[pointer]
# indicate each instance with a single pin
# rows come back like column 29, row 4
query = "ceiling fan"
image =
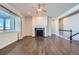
column 40, row 8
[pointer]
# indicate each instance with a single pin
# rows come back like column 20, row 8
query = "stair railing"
column 68, row 31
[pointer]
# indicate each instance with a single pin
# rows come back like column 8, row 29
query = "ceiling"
column 53, row 9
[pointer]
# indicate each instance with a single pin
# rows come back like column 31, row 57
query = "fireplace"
column 39, row 32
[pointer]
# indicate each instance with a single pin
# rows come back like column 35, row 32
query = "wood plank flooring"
column 42, row 46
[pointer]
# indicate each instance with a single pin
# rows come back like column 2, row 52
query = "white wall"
column 55, row 26
column 7, row 38
column 50, row 26
column 29, row 23
column 28, row 26
column 72, row 22
column 39, row 21
column 23, row 27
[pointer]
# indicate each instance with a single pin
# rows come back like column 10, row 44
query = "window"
column 4, row 24
column 1, row 24
column 9, row 21
column 7, row 24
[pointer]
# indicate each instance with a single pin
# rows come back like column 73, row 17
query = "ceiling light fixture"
column 40, row 9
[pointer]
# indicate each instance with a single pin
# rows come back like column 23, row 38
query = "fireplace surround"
column 39, row 26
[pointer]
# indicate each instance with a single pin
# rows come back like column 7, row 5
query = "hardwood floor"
column 42, row 46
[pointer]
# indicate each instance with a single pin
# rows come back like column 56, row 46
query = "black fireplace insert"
column 39, row 32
